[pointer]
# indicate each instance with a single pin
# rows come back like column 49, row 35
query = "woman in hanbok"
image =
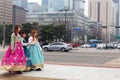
column 14, row 60
column 26, row 51
column 35, row 51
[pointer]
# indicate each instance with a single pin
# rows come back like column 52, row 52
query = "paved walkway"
column 74, row 73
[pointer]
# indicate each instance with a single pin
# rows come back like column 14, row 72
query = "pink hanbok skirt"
column 14, row 61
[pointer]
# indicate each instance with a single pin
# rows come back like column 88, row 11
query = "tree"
column 51, row 32
column 1, row 33
column 9, row 31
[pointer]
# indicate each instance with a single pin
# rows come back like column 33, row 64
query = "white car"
column 86, row 46
column 101, row 46
column 118, row 46
column 58, row 46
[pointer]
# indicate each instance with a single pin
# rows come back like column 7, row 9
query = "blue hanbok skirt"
column 37, row 57
column 28, row 57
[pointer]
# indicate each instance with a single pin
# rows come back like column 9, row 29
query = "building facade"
column 34, row 7
column 71, row 18
column 21, row 3
column 6, row 11
column 102, row 11
column 55, row 5
column 44, row 2
column 79, row 5
column 117, row 16
column 19, row 15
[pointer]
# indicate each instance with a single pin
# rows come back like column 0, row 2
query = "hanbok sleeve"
column 12, row 41
column 30, row 40
column 39, row 46
column 24, row 44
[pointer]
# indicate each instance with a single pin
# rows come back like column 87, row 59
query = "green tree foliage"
column 51, row 32
column 46, row 32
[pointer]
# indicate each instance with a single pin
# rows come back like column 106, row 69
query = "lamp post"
column 106, row 20
column 98, row 16
column 4, row 30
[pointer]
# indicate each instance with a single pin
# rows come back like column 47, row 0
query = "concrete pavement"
column 63, row 72
column 75, row 72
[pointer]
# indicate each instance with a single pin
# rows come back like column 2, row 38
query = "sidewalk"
column 63, row 72
column 3, row 49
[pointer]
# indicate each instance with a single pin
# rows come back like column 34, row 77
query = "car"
column 75, row 44
column 86, row 46
column 101, row 46
column 93, row 45
column 110, row 46
column 58, row 46
column 118, row 46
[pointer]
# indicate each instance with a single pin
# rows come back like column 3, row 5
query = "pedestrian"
column 14, row 60
column 26, row 51
column 36, row 53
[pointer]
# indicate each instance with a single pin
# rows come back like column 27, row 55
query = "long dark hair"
column 16, row 29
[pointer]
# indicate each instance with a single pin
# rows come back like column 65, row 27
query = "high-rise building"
column 79, row 5
column 45, row 2
column 102, row 11
column 19, row 15
column 117, row 16
column 34, row 7
column 6, row 11
column 21, row 3
column 55, row 5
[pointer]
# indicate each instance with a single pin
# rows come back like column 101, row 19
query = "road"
column 80, row 56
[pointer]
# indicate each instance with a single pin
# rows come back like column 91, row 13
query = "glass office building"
column 55, row 5
column 45, row 2
column 21, row 3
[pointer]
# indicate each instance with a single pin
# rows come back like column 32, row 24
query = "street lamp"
column 106, row 20
column 4, row 30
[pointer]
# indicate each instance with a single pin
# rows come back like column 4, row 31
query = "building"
column 71, row 19
column 46, row 18
column 45, row 2
column 19, row 15
column 6, row 11
column 55, row 5
column 117, row 16
column 34, row 7
column 19, row 11
column 79, row 5
column 102, row 11
column 21, row 3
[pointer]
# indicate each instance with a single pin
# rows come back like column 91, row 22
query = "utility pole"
column 98, row 18
column 106, row 21
column 4, row 30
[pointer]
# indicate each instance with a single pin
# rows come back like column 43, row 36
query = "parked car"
column 118, row 46
column 101, row 46
column 75, row 44
column 110, row 46
column 58, row 46
column 86, row 46
column 94, row 45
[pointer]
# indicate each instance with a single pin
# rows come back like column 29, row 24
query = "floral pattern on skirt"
column 14, row 61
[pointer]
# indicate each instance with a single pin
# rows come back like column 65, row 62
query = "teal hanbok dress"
column 36, row 53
